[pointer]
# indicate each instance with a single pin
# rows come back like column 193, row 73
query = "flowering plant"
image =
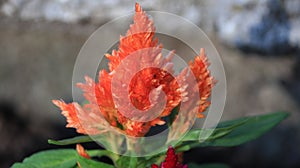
column 135, row 111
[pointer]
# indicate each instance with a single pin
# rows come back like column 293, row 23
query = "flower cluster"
column 101, row 111
column 171, row 160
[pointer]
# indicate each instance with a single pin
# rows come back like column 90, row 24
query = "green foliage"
column 62, row 158
column 252, row 128
column 88, row 163
column 233, row 133
column 126, row 161
column 229, row 133
column 75, row 140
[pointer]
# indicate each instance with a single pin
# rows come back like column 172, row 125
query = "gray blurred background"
column 258, row 41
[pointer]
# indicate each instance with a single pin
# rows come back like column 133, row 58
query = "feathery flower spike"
column 101, row 111
column 171, row 160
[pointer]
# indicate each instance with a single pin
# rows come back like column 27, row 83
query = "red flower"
column 101, row 110
column 171, row 161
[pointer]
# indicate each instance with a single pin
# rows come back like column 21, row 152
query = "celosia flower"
column 101, row 108
column 171, row 161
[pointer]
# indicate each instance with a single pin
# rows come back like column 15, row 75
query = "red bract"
column 171, row 161
column 102, row 110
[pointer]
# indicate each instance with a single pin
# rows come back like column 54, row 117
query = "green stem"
column 99, row 153
column 75, row 140
column 156, row 159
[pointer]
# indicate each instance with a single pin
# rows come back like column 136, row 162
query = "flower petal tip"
column 138, row 8
column 80, row 150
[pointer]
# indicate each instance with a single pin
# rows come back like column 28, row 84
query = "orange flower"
column 205, row 82
column 82, row 152
column 103, row 106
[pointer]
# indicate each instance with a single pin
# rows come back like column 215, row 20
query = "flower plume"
column 151, row 86
column 171, row 160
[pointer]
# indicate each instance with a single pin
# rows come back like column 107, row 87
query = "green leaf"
column 219, row 131
column 75, row 140
column 199, row 135
column 62, row 158
column 252, row 128
column 203, row 134
column 88, row 163
column 148, row 161
column 209, row 165
column 126, row 161
column 233, row 133
column 101, row 138
column 99, row 153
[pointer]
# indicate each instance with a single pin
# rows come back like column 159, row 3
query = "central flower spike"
column 151, row 86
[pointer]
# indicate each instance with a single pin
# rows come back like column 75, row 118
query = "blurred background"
column 258, row 41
